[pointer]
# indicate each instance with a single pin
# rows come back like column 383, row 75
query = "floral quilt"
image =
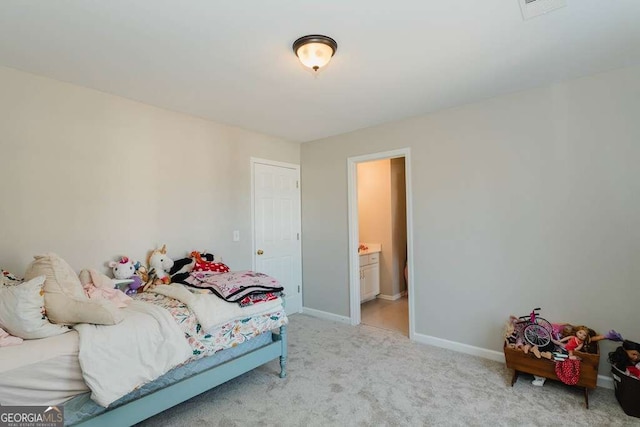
column 229, row 335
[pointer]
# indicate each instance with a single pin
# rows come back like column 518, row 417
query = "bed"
column 84, row 370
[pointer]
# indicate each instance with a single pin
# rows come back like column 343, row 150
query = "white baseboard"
column 459, row 347
column 326, row 315
column 390, row 297
column 498, row 356
column 603, row 381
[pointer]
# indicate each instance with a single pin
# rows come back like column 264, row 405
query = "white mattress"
column 41, row 372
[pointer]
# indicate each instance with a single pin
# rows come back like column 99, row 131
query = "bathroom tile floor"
column 385, row 314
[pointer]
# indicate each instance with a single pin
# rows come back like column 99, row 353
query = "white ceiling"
column 232, row 62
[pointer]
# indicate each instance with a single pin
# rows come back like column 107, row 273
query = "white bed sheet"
column 41, row 372
column 115, row 359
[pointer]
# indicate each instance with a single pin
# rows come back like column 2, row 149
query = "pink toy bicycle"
column 536, row 330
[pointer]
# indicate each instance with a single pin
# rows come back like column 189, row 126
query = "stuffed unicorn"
column 159, row 264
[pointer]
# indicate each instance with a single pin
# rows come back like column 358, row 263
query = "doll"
column 576, row 341
column 512, row 338
column 627, row 358
column 580, row 337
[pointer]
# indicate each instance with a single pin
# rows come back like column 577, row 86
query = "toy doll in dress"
column 576, row 341
column 627, row 358
column 580, row 337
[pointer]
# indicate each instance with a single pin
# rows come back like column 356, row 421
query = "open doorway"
column 382, row 251
column 380, row 230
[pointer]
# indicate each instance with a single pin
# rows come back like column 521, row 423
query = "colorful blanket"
column 233, row 286
column 205, row 343
column 258, row 298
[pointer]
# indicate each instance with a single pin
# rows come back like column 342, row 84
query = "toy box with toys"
column 625, row 370
column 627, row 390
column 556, row 351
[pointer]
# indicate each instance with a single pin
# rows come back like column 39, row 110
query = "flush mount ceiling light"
column 315, row 51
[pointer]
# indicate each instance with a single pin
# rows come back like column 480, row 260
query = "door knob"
column 260, row 252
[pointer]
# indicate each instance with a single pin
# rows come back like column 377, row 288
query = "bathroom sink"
column 367, row 248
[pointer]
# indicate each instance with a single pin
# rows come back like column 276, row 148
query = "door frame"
column 253, row 161
column 354, row 231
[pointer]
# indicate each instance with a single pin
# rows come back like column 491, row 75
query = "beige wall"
column 526, row 200
column 398, row 225
column 93, row 176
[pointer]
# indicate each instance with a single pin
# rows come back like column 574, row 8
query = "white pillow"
column 22, row 311
column 64, row 297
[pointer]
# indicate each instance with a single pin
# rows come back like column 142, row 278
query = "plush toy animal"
column 206, row 263
column 159, row 266
column 126, row 268
column 182, row 267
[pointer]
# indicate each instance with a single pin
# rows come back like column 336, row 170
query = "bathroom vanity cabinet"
column 369, row 275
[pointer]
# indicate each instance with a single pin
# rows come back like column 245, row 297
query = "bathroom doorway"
column 380, row 241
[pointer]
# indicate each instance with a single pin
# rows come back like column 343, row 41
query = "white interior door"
column 276, row 213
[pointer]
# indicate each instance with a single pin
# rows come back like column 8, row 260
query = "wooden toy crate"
column 520, row 362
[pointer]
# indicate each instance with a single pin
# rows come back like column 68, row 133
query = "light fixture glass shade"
column 315, row 51
column 315, row 55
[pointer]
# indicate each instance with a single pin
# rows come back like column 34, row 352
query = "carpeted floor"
column 340, row 375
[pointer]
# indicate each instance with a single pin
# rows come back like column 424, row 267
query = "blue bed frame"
column 156, row 402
